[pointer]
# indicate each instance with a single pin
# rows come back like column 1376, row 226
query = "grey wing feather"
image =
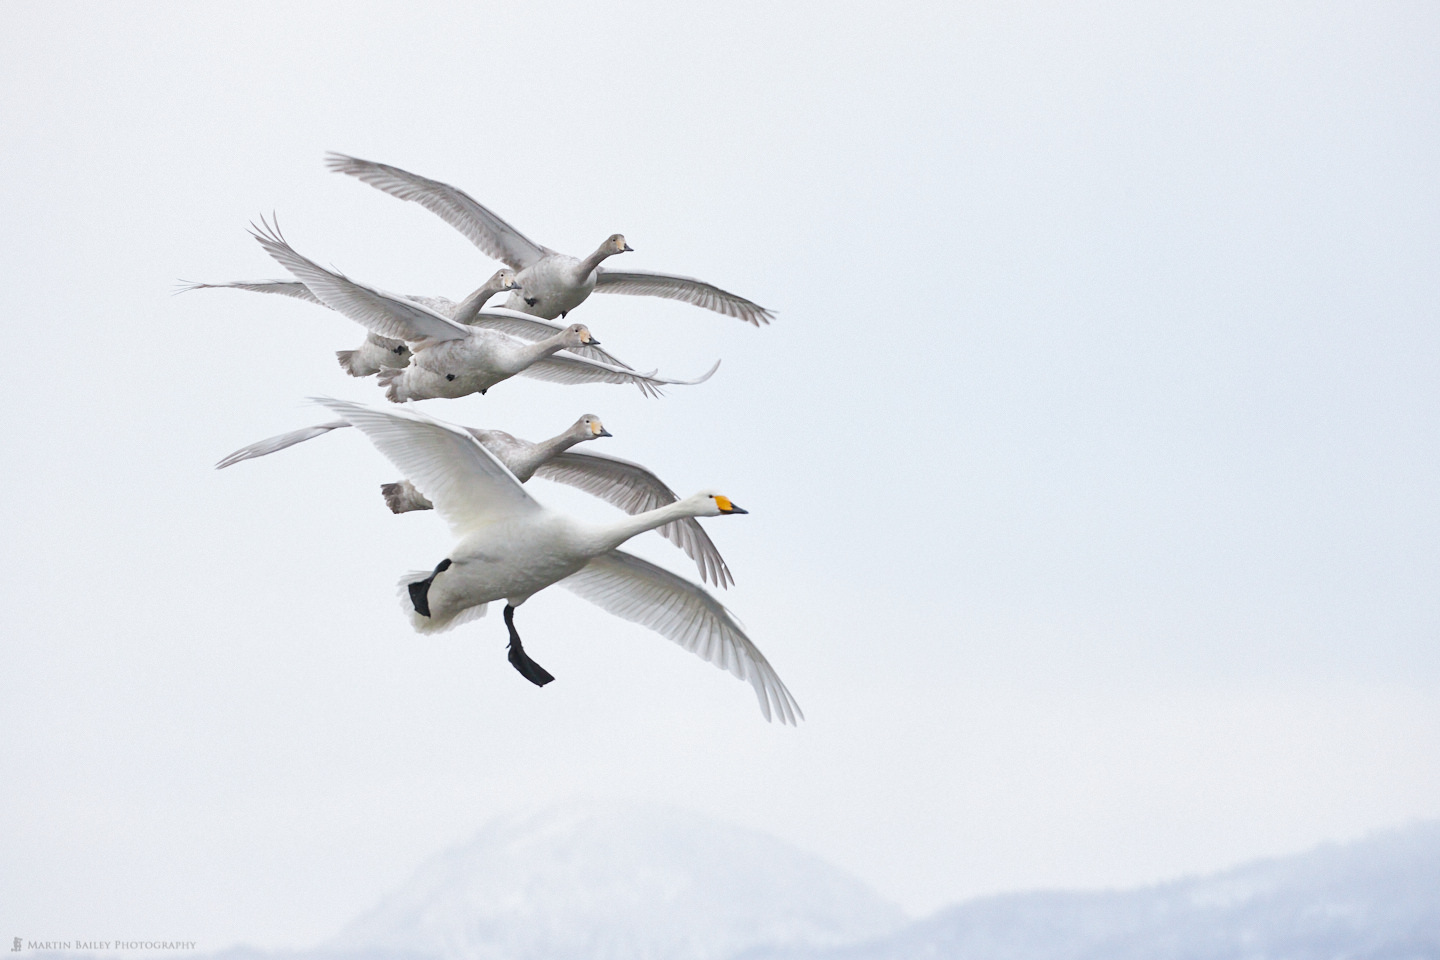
column 635, row 489
column 639, row 591
column 287, row 288
column 441, row 305
column 262, row 448
column 456, row 207
column 688, row 289
column 389, row 315
column 563, row 368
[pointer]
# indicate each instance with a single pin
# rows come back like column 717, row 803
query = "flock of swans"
column 507, row 545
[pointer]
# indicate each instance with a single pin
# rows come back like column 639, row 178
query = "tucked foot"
column 420, row 589
column 528, row 668
column 531, row 301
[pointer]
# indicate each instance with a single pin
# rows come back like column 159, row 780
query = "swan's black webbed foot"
column 531, row 301
column 449, row 376
column 420, row 589
column 528, row 668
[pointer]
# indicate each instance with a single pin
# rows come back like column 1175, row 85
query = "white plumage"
column 510, row 547
column 627, row 485
column 453, row 359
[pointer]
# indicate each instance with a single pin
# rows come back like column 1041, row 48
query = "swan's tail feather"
column 352, row 363
column 393, row 380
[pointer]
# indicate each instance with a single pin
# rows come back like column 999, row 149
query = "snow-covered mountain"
column 618, row 882
column 611, row 881
column 1374, row 899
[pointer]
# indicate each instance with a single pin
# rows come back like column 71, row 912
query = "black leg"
column 420, row 589
column 528, row 668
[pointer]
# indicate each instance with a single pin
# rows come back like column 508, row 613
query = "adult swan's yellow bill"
column 510, row 548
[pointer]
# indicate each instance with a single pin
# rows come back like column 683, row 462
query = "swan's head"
column 708, row 503
column 503, row 280
column 578, row 335
column 589, row 427
column 616, row 244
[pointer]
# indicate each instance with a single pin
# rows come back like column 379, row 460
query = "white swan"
column 552, row 284
column 627, row 485
column 452, row 359
column 510, row 548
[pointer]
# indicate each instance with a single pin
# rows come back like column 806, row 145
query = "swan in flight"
column 551, row 284
column 452, row 359
column 395, row 353
column 377, row 352
column 622, row 483
column 510, row 548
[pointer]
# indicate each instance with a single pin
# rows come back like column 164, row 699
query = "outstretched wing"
column 701, row 294
column 456, row 207
column 635, row 489
column 263, row 448
column 469, row 487
column 388, row 314
column 652, row 596
column 562, row 368
column 286, row 288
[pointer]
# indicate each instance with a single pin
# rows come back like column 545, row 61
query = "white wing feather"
column 387, row 314
column 652, row 596
column 263, row 448
column 672, row 287
column 468, row 485
column 287, row 288
column 456, row 207
column 635, row 489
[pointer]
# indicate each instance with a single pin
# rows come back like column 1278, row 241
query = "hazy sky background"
column 1092, row 459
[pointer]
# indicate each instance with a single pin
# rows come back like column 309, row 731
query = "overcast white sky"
column 1092, row 460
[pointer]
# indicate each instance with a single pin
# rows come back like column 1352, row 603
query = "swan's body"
column 452, row 359
column 376, row 353
column 551, row 284
column 510, row 548
column 622, row 483
column 556, row 284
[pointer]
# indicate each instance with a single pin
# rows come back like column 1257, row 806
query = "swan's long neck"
column 473, row 304
column 532, row 352
column 547, row 450
column 588, row 265
column 612, row 535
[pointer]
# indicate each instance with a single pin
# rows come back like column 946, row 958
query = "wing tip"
column 337, row 162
